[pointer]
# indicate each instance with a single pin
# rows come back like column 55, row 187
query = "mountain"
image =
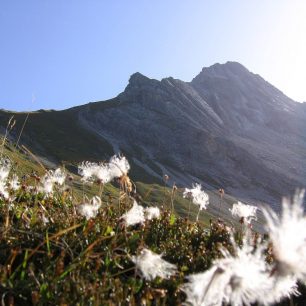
column 226, row 128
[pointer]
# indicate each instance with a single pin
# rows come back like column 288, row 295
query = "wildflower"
column 118, row 166
column 281, row 288
column 152, row 265
column 14, row 183
column 3, row 191
column 237, row 280
column 87, row 170
column 46, row 184
column 103, row 174
column 90, row 210
column 205, row 288
column 58, row 176
column 134, row 216
column 5, row 166
column 152, row 213
column 199, row 197
column 50, row 178
column 244, row 211
column 288, row 236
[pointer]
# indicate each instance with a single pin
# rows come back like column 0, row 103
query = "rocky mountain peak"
column 224, row 71
column 228, row 127
column 137, row 79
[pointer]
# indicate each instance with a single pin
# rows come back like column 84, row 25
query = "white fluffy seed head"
column 288, row 236
column 152, row 213
column 90, row 209
column 3, row 191
column 249, row 277
column 134, row 216
column 237, row 280
column 58, row 176
column 152, row 265
column 87, row 170
column 281, row 288
column 247, row 212
column 104, row 172
column 47, row 185
column 205, row 288
column 199, row 197
column 5, row 167
column 118, row 166
column 14, row 182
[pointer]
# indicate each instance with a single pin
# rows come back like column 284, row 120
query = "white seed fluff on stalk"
column 90, row 210
column 248, row 212
column 105, row 172
column 134, row 216
column 3, row 191
column 14, row 183
column 118, row 166
column 238, row 280
column 282, row 288
column 288, row 236
column 205, row 288
column 152, row 265
column 5, row 167
column 87, row 170
column 58, row 176
column 199, row 197
column 46, row 185
column 152, row 213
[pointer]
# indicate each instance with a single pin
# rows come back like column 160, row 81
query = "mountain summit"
column 226, row 128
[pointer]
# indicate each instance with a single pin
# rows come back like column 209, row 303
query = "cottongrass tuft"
column 237, row 280
column 58, row 176
column 152, row 213
column 134, row 216
column 5, row 167
column 51, row 178
column 90, row 210
column 152, row 265
column 3, row 190
column 137, row 214
column 288, row 236
column 244, row 211
column 14, row 183
column 118, row 166
column 281, row 288
column 87, row 170
column 198, row 196
column 46, row 185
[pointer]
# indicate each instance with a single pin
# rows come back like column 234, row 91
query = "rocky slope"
column 226, row 128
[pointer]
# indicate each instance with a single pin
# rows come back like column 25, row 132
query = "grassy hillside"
column 53, row 254
column 25, row 162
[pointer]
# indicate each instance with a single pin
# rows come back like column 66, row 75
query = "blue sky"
column 71, row 52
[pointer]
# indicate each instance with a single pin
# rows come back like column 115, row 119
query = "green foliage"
column 73, row 261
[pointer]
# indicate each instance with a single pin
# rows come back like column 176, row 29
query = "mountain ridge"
column 227, row 128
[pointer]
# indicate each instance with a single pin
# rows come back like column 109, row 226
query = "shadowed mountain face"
column 226, row 128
